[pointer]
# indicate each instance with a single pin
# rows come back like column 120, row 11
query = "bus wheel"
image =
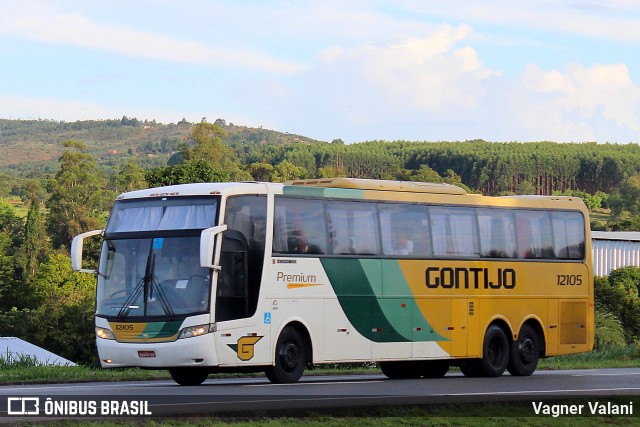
column 525, row 353
column 434, row 369
column 189, row 376
column 495, row 352
column 400, row 370
column 290, row 358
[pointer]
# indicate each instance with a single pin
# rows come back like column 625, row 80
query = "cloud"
column 371, row 70
column 32, row 21
column 608, row 20
column 435, row 86
column 411, row 74
column 600, row 91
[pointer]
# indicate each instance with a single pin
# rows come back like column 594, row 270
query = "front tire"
column 290, row 358
column 525, row 353
column 189, row 376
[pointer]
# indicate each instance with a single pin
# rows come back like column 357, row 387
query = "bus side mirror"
column 77, row 244
column 207, row 244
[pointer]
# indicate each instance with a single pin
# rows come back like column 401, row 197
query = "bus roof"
column 355, row 187
column 200, row 189
column 380, row 185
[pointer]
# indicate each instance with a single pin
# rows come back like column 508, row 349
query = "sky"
column 357, row 70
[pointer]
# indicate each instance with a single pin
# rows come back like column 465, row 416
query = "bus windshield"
column 150, row 262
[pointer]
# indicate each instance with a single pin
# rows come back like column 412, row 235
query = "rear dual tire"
column 525, row 353
column 495, row 355
column 519, row 357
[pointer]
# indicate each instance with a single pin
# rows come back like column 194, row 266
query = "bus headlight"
column 104, row 333
column 196, row 331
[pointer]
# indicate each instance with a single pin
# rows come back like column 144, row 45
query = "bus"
column 269, row 277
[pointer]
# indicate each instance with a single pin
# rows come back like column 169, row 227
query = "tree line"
column 491, row 168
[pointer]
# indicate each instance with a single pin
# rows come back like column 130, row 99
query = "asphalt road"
column 255, row 396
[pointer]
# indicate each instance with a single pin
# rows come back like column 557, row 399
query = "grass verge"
column 22, row 370
column 490, row 414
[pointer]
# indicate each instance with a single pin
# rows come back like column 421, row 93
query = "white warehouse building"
column 614, row 249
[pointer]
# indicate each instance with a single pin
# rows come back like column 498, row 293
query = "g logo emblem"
column 245, row 347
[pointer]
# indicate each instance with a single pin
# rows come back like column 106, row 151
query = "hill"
column 36, row 144
column 31, row 147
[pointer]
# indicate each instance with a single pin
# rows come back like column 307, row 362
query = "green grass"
column 55, row 374
column 520, row 414
column 609, row 357
column 21, row 370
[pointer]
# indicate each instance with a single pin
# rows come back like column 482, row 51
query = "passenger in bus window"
column 402, row 245
column 298, row 244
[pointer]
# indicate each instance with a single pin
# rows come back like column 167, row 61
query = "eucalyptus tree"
column 78, row 196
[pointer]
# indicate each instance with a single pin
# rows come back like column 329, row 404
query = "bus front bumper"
column 187, row 352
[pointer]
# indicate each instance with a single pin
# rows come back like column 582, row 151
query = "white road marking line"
column 314, row 383
column 606, row 375
column 72, row 386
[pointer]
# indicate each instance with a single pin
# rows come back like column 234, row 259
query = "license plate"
column 146, row 353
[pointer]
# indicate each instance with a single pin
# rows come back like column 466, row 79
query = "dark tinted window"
column 454, row 231
column 353, row 228
column 497, row 233
column 568, row 235
column 533, row 230
column 299, row 227
column 404, row 230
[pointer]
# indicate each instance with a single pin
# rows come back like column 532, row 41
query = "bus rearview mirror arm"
column 207, row 243
column 77, row 245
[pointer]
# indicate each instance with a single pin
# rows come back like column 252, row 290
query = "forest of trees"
column 488, row 167
column 73, row 192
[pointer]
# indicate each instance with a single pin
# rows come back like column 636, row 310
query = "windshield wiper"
column 127, row 306
column 146, row 288
column 164, row 302
column 141, row 286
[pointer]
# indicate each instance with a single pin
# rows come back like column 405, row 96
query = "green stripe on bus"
column 361, row 286
column 339, row 193
column 357, row 298
column 161, row 329
column 403, row 305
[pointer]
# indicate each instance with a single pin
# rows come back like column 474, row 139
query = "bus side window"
column 497, row 237
column 299, row 227
column 454, row 231
column 404, row 230
column 533, row 230
column 568, row 235
column 248, row 214
column 353, row 228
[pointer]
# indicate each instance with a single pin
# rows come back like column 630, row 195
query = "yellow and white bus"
column 217, row 277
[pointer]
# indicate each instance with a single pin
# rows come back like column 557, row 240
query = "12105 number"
column 569, row 279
